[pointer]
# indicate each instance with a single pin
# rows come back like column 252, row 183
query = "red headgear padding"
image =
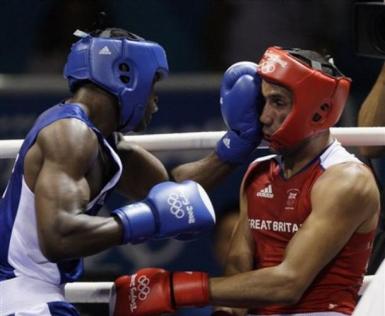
column 318, row 98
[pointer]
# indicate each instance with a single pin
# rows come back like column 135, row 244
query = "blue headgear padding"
column 123, row 67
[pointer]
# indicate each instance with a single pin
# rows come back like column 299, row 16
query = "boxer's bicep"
column 61, row 188
column 344, row 201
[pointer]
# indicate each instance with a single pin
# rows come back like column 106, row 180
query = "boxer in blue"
column 68, row 165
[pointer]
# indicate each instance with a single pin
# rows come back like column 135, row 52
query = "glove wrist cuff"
column 190, row 289
column 234, row 149
column 138, row 222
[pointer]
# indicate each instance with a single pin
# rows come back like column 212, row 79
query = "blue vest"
column 20, row 253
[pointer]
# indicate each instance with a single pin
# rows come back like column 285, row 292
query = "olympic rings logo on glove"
column 177, row 201
column 143, row 287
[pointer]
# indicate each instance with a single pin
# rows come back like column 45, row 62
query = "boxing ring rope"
column 99, row 292
column 348, row 136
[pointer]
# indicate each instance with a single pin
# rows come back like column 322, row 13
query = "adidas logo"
column 332, row 306
column 226, row 142
column 266, row 192
column 105, row 51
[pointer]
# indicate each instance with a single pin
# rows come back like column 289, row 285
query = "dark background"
column 202, row 38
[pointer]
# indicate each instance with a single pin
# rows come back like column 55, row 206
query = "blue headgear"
column 125, row 67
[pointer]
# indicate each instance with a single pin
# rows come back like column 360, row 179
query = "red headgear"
column 318, row 98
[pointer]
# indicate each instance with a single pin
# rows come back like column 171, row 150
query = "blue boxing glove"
column 169, row 210
column 241, row 102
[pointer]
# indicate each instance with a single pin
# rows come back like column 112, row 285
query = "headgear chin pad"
column 318, row 98
column 122, row 66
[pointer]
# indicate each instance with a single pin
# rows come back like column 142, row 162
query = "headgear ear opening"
column 120, row 62
column 321, row 114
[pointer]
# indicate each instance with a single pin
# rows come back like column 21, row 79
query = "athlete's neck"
column 297, row 158
column 100, row 106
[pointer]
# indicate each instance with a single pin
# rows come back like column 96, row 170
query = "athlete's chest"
column 276, row 204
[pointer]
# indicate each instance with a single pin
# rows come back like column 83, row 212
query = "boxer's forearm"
column 254, row 289
column 208, row 171
column 76, row 236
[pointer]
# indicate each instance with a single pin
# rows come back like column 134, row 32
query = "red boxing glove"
column 153, row 291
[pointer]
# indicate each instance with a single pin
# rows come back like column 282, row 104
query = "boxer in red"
column 308, row 212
